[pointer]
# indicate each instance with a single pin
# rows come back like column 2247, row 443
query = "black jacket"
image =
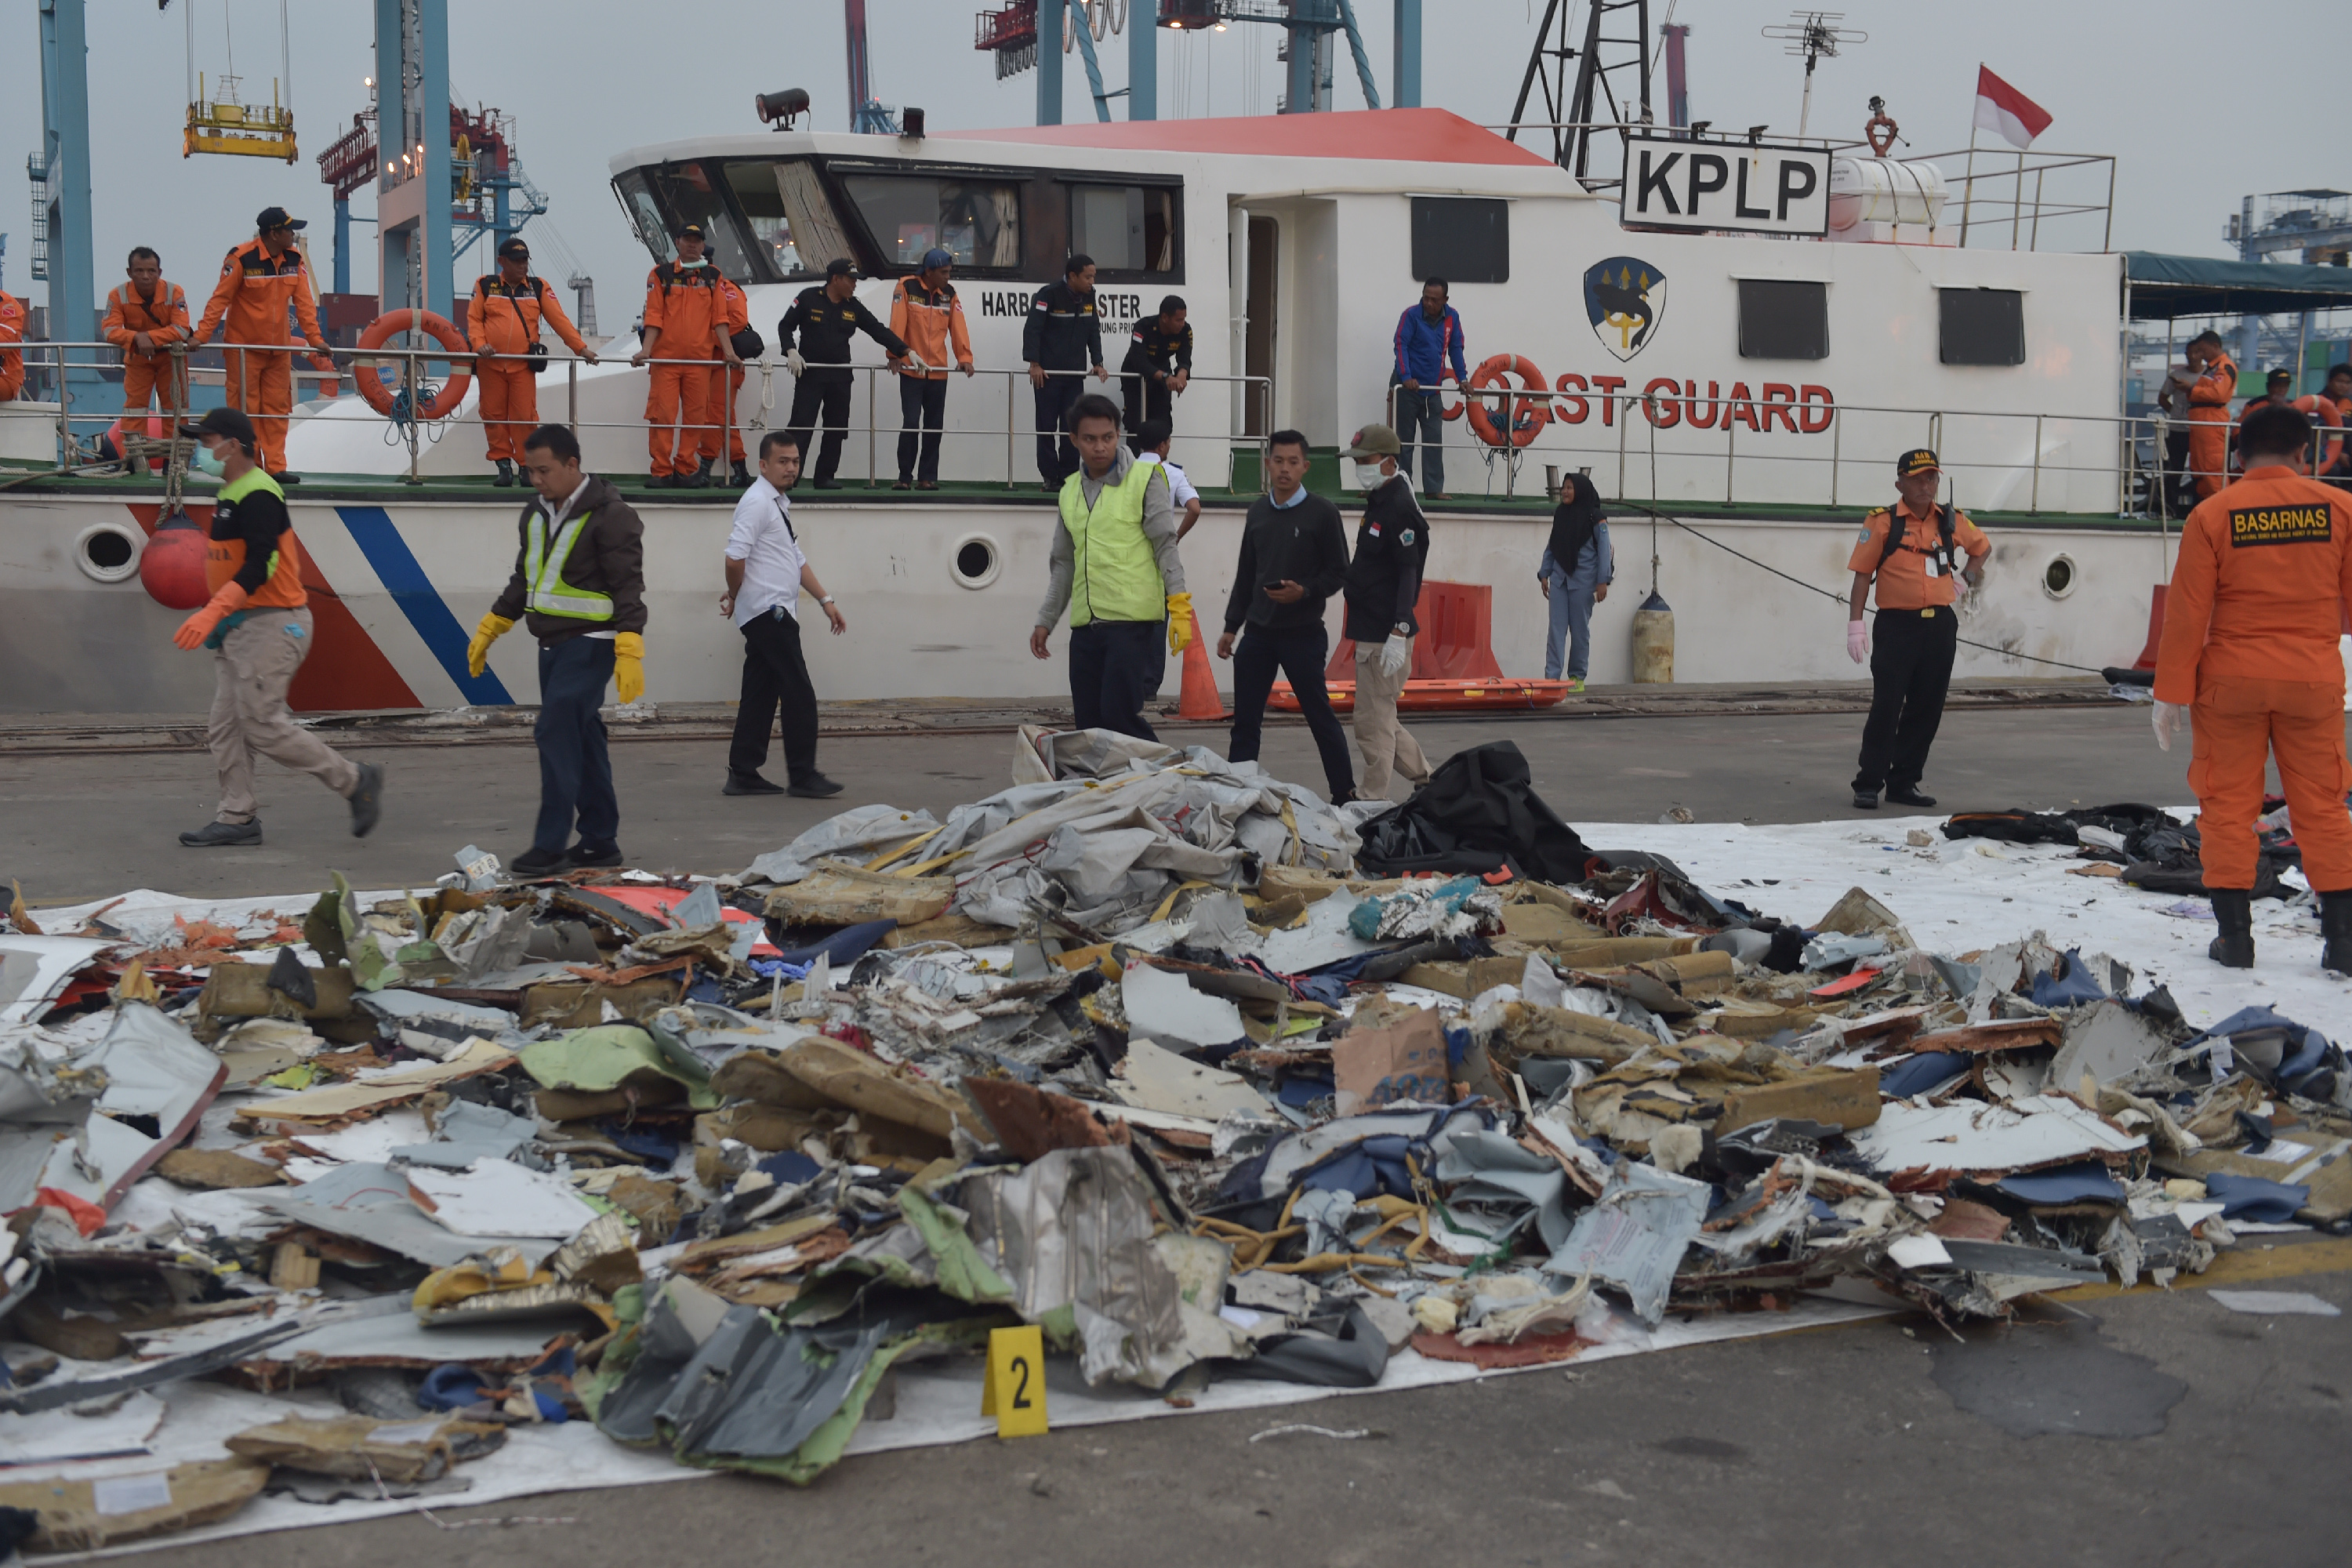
column 1392, row 554
column 609, row 559
column 1063, row 333
column 1305, row 544
column 1152, row 348
column 825, row 327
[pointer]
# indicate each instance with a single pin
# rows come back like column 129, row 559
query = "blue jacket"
column 1596, row 564
column 1422, row 346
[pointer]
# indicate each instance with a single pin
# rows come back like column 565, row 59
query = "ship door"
column 1258, row 331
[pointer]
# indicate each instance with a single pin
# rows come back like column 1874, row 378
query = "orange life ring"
column 443, row 403
column 1529, row 415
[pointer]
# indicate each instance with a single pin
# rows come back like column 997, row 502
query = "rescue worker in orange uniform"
column 258, row 281
column 257, row 625
column 503, row 322
column 11, row 362
column 925, row 311
column 718, row 400
column 685, row 319
column 2333, row 409
column 2209, row 413
column 1912, row 552
column 2249, row 648
column 143, row 319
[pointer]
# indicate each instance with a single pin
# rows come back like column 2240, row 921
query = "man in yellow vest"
column 1114, row 567
column 257, row 625
column 580, row 576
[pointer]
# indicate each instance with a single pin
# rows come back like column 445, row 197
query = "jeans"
column 575, row 772
column 1572, row 624
column 1298, row 652
column 1057, row 462
column 1422, row 423
column 775, row 675
column 1910, row 669
column 922, row 407
column 1115, row 668
column 812, row 400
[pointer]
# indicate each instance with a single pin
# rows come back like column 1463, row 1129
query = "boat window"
column 1463, row 240
column 1127, row 229
column 645, row 214
column 687, row 192
column 794, row 228
column 977, row 222
column 1783, row 319
column 1983, row 326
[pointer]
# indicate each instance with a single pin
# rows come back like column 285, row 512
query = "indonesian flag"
column 2001, row 107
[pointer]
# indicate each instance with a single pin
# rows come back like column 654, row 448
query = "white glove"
column 1395, row 654
column 793, row 362
column 2163, row 718
column 915, row 363
column 1857, row 641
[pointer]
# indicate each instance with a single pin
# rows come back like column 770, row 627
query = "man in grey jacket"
column 1114, row 567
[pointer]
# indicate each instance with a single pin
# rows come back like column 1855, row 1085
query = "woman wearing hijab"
column 1578, row 567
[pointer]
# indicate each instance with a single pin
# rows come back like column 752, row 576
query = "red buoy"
column 171, row 567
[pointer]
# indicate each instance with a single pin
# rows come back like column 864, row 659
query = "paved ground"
column 82, row 826
column 2219, row 1437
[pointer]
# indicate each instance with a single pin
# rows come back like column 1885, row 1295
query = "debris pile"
column 1144, row 1051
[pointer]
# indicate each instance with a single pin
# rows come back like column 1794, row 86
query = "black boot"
column 505, row 473
column 2233, row 911
column 740, row 475
column 701, row 480
column 2336, row 932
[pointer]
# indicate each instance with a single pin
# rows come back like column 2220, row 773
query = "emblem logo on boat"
column 1626, row 298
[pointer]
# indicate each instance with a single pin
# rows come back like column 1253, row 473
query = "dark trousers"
column 828, row 399
column 1910, row 669
column 575, row 772
column 2180, row 498
column 1298, row 652
column 922, row 407
column 1057, row 456
column 1114, row 669
column 1421, row 426
column 1146, row 400
column 775, row 676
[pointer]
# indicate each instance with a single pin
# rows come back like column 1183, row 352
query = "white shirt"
column 1180, row 489
column 764, row 541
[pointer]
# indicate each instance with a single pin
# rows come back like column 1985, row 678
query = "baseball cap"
column 935, row 257
column 1918, row 460
column 690, row 231
column 223, row 421
column 841, row 266
column 275, row 217
column 515, row 247
column 1374, row 441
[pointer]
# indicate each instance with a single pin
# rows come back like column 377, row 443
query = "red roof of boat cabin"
column 1418, row 135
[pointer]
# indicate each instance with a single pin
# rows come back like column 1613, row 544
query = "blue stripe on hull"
column 372, row 529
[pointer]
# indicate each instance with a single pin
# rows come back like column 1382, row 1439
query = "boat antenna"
column 1814, row 35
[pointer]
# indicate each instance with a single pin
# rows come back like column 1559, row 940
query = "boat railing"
column 410, row 374
column 1998, row 460
column 1994, row 188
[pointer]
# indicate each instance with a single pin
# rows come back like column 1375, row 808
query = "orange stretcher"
column 1439, row 696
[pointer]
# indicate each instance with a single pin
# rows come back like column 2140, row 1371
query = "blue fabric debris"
column 2089, row 1182
column 1369, row 1168
column 2065, row 984
column 1918, row 1074
column 843, row 947
column 2253, row 1199
column 644, row 1142
column 791, row 1168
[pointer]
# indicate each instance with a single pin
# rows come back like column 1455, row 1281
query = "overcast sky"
column 585, row 78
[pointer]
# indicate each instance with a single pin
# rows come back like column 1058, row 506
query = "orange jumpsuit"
column 252, row 296
column 11, row 330
column 2250, row 628
column 164, row 319
column 2209, row 425
column 686, row 304
column 725, row 381
column 506, row 321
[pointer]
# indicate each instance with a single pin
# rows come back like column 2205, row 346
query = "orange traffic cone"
column 1199, row 699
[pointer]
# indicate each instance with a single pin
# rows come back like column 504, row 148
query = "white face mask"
column 1368, row 476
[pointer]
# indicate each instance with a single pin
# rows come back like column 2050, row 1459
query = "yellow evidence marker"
column 1015, row 1389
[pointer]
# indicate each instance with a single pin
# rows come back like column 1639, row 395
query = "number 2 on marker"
column 1015, row 1392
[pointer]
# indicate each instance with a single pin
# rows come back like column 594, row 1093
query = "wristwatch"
column 826, row 600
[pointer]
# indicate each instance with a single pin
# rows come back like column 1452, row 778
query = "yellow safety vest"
column 543, row 569
column 1117, row 578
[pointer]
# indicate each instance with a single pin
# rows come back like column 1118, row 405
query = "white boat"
column 1757, row 386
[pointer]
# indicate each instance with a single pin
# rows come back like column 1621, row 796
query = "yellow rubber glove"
column 1179, row 621
column 629, row 665
column 478, row 653
column 218, row 608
